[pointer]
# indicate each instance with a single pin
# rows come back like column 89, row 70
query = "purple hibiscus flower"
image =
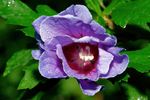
column 72, row 44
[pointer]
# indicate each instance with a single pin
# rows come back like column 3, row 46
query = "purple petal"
column 118, row 66
column 105, row 40
column 36, row 54
column 63, row 25
column 89, row 87
column 104, row 61
column 93, row 75
column 98, row 29
column 79, row 11
column 110, row 41
column 37, row 23
column 87, row 39
column 50, row 66
column 38, row 38
column 114, row 50
column 50, row 44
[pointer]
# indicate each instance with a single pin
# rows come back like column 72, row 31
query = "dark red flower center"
column 81, row 57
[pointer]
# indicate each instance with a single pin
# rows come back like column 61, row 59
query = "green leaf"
column 17, row 12
column 29, row 31
column 29, row 80
column 94, row 5
column 125, row 78
column 67, row 88
column 133, row 93
column 38, row 96
column 45, row 10
column 19, row 59
column 106, row 83
column 101, row 21
column 114, row 3
column 135, row 12
column 140, row 59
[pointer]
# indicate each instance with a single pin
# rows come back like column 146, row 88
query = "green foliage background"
column 128, row 20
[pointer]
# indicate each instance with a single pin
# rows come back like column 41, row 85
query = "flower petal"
column 104, row 61
column 63, row 25
column 118, row 66
column 89, row 87
column 37, row 23
column 98, row 29
column 114, row 50
column 105, row 40
column 36, row 54
column 87, row 39
column 110, row 41
column 93, row 75
column 50, row 44
column 50, row 66
column 79, row 11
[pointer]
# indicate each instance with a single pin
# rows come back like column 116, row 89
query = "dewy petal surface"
column 50, row 66
column 79, row 11
column 89, row 87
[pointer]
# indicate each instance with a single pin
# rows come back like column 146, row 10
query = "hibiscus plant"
column 80, row 50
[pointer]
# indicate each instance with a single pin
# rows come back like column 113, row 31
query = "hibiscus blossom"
column 72, row 44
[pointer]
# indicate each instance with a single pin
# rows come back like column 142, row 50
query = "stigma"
column 86, row 55
column 81, row 57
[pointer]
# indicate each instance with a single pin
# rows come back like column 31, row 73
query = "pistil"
column 81, row 56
